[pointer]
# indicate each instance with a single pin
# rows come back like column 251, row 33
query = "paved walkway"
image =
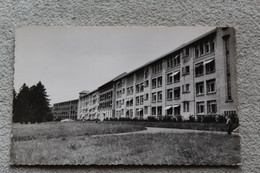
column 153, row 130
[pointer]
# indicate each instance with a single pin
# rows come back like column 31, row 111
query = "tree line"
column 31, row 104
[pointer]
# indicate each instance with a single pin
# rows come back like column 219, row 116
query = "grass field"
column 23, row 132
column 160, row 148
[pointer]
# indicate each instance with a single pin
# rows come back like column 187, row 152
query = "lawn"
column 178, row 125
column 23, row 132
column 161, row 148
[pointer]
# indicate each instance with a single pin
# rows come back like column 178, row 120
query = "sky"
column 68, row 60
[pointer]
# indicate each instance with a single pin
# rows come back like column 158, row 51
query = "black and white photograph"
column 125, row 96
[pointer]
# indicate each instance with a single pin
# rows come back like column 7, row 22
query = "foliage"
column 221, row 119
column 31, row 104
column 151, row 118
column 178, row 118
column 124, row 119
column 191, row 119
column 209, row 119
column 234, row 118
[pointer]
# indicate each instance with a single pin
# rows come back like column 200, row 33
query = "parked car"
column 66, row 120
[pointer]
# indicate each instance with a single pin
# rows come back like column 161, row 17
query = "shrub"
column 221, row 119
column 135, row 119
column 151, row 118
column 124, row 119
column 168, row 118
column 178, row 118
column 209, row 119
column 199, row 119
column 160, row 117
column 234, row 118
column 191, row 118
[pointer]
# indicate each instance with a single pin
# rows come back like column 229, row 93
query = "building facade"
column 65, row 110
column 88, row 105
column 196, row 79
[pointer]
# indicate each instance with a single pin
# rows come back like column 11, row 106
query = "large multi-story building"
column 65, row 110
column 88, row 105
column 197, row 78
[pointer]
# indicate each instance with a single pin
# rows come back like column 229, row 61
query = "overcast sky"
column 68, row 60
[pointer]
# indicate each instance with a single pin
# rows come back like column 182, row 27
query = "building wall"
column 66, row 110
column 88, row 106
column 107, row 101
column 194, row 80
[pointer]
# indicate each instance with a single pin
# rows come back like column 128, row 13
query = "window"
column 131, row 102
column 118, row 94
column 169, row 62
column 146, row 83
column 141, row 100
column 176, row 60
column 177, row 91
column 186, row 106
column 169, row 78
column 140, row 75
column 185, row 70
column 212, row 107
column 159, row 96
column 185, row 52
column 154, row 83
column 130, row 90
column 199, row 69
column 207, row 47
column 210, row 66
column 159, row 79
column 177, row 110
column 130, row 80
column 169, row 94
column 212, row 46
column 137, row 101
column 200, row 107
column 141, row 87
column 153, row 97
column 137, row 88
column 153, row 111
column 211, row 86
column 159, row 110
column 157, row 67
column 186, row 88
column 169, row 110
column 176, row 76
column 200, row 88
column 196, row 51
column 201, row 49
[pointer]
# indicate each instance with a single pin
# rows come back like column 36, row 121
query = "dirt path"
column 153, row 130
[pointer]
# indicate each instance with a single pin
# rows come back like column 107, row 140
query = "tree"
column 14, row 106
column 22, row 111
column 40, row 103
column 31, row 104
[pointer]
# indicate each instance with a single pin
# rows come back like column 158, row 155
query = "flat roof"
column 66, row 101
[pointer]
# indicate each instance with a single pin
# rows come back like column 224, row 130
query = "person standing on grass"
column 229, row 125
column 83, row 118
